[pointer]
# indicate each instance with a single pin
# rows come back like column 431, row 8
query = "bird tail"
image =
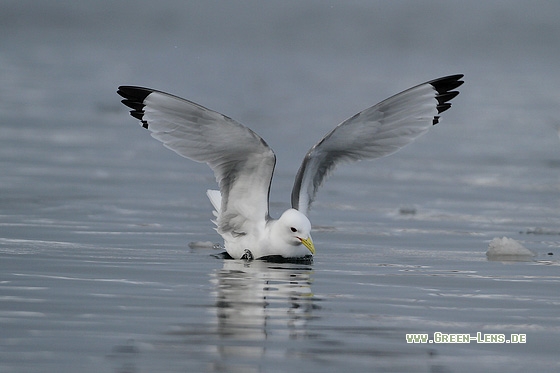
column 215, row 198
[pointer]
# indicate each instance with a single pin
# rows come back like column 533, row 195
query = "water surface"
column 96, row 272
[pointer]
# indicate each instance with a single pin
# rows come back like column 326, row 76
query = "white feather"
column 243, row 163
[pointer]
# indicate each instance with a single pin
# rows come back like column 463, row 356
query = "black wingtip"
column 134, row 98
column 447, row 83
column 444, row 87
column 133, row 93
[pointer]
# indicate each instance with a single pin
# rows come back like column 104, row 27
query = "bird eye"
column 293, row 229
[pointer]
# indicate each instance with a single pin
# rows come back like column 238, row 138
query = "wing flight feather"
column 241, row 160
column 375, row 132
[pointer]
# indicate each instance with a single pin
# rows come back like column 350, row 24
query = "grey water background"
column 96, row 271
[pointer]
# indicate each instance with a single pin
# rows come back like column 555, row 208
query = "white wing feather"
column 375, row 132
column 241, row 160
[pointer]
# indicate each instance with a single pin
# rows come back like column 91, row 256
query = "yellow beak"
column 308, row 242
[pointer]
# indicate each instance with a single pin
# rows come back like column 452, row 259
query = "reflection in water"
column 261, row 304
column 265, row 317
column 259, row 315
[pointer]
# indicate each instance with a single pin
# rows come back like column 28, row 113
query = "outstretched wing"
column 242, row 161
column 375, row 132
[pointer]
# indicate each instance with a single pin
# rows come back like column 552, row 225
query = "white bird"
column 243, row 163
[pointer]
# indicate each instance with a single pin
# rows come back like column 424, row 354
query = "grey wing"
column 375, row 132
column 242, row 161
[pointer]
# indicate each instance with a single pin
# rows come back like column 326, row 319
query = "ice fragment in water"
column 507, row 248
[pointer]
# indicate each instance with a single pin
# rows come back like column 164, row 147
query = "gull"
column 243, row 163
